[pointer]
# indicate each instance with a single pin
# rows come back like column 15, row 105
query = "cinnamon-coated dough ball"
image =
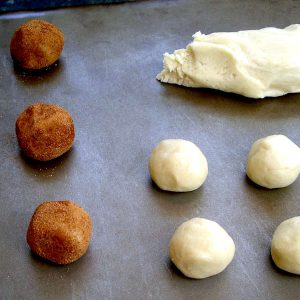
column 201, row 248
column 285, row 247
column 59, row 231
column 45, row 131
column 178, row 165
column 273, row 162
column 36, row 44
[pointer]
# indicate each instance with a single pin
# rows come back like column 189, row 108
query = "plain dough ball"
column 201, row 248
column 273, row 162
column 178, row 165
column 285, row 248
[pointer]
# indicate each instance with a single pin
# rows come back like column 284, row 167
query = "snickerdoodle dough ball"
column 201, row 248
column 36, row 44
column 59, row 231
column 45, row 131
column 178, row 165
column 285, row 247
column 273, row 162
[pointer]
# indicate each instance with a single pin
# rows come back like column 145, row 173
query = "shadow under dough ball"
column 59, row 231
column 45, row 131
column 36, row 44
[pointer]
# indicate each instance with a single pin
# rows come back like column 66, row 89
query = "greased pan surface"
column 106, row 80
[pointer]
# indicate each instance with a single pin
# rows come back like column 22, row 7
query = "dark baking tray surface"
column 106, row 79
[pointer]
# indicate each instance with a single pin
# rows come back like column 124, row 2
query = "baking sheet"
column 106, row 80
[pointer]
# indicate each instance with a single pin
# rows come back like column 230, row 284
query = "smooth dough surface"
column 253, row 63
column 201, row 248
column 273, row 162
column 285, row 247
column 178, row 165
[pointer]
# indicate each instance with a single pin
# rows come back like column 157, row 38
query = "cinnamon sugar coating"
column 36, row 44
column 45, row 131
column 59, row 231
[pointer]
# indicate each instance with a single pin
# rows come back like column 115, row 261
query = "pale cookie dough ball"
column 178, row 165
column 273, row 162
column 201, row 248
column 285, row 248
